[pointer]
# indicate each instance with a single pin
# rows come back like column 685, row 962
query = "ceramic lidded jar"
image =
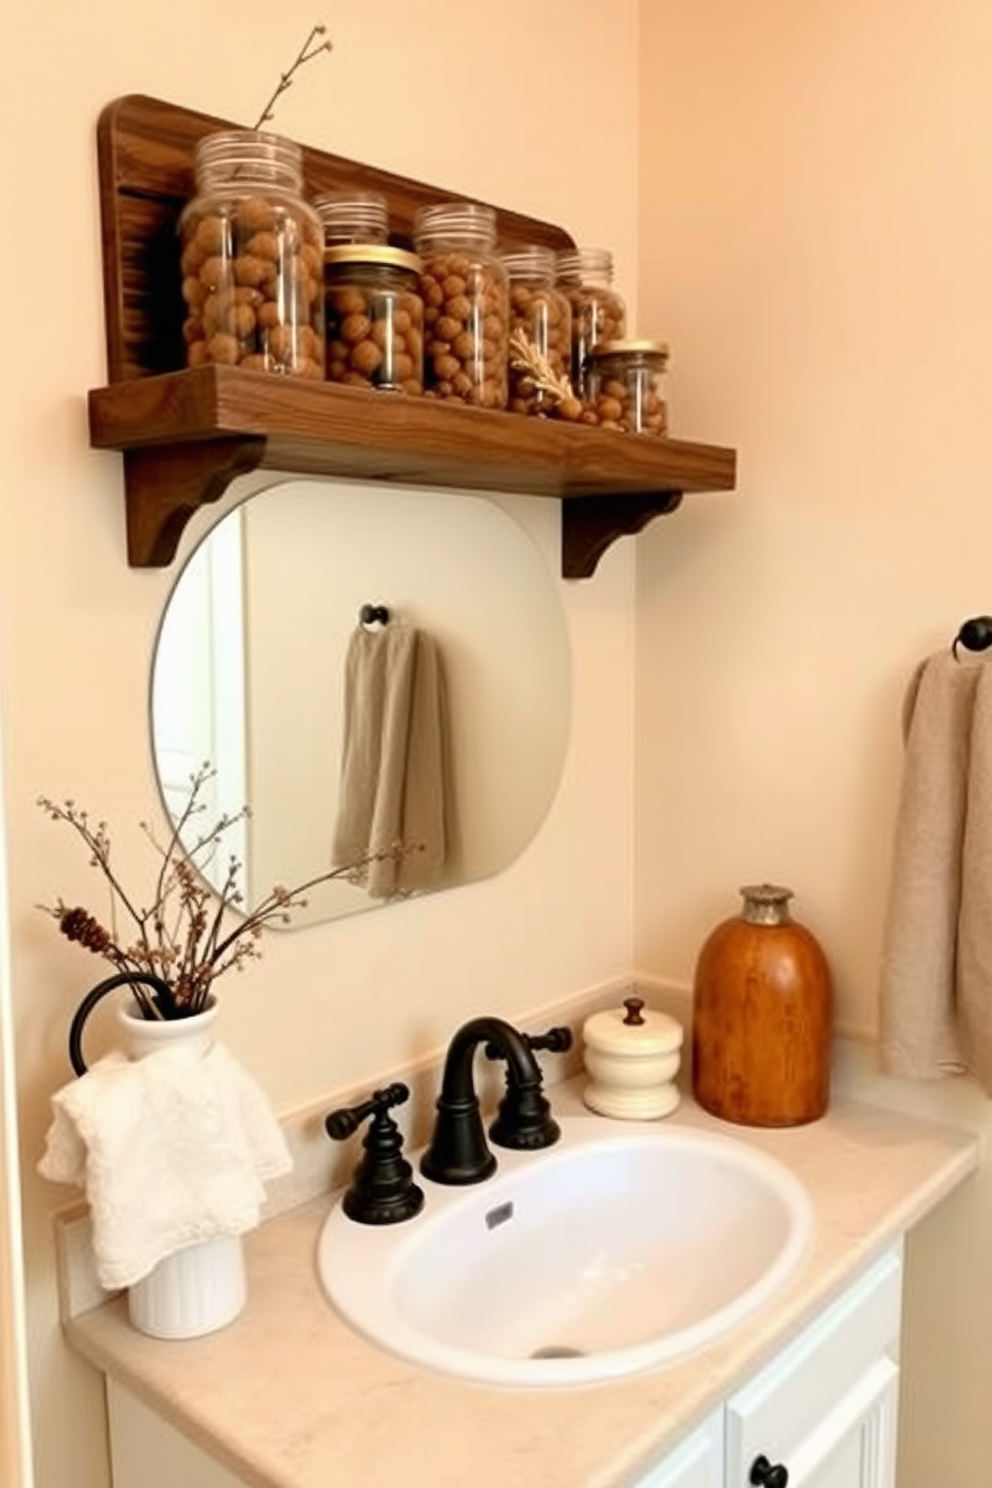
column 632, row 1058
column 762, row 1016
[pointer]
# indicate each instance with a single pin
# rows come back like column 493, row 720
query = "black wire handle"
column 974, row 635
column 372, row 614
column 161, row 989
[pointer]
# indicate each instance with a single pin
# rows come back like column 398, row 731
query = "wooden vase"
column 762, row 1017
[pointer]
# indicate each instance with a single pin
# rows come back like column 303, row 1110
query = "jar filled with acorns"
column 626, row 386
column 252, row 258
column 466, row 304
column 585, row 275
column 540, row 314
column 375, row 317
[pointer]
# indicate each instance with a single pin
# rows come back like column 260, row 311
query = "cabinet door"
column 855, row 1446
column 696, row 1463
column 825, row 1407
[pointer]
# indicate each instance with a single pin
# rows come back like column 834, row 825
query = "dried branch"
column 310, row 49
column 183, row 938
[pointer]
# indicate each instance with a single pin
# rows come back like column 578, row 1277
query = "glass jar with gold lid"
column 375, row 317
column 627, row 386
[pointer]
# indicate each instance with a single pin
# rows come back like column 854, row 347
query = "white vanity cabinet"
column 697, row 1462
column 825, row 1408
column 822, row 1413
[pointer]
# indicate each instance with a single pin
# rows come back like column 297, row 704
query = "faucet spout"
column 458, row 1152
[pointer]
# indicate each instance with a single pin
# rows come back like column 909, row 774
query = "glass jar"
column 353, row 216
column 252, row 258
column 466, row 304
column 541, row 313
column 585, row 275
column 626, row 386
column 375, row 317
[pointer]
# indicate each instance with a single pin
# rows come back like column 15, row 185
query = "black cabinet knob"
column 765, row 1474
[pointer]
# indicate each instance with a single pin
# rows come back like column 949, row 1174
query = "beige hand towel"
column 974, row 981
column 940, row 875
column 394, row 765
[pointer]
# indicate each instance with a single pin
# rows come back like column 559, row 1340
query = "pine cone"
column 79, row 924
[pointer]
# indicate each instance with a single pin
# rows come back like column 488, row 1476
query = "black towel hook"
column 371, row 614
column 974, row 635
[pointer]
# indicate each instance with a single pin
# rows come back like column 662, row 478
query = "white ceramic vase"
column 202, row 1287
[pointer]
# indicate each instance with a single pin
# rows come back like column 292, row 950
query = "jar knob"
column 633, row 1006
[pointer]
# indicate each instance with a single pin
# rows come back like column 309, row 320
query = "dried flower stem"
column 182, row 939
column 310, row 49
column 526, row 358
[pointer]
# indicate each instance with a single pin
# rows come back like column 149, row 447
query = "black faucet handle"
column 344, row 1123
column 382, row 1190
column 555, row 1041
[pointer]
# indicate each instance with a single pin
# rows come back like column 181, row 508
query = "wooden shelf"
column 187, row 434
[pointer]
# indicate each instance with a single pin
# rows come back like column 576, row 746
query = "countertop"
column 289, row 1397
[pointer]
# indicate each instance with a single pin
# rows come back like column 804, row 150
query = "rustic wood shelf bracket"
column 165, row 484
column 590, row 525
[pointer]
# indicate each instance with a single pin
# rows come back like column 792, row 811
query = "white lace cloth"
column 171, row 1149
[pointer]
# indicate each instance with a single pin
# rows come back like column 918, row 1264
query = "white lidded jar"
column 632, row 1056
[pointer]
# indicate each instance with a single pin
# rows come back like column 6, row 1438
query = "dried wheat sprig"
column 526, row 358
column 306, row 53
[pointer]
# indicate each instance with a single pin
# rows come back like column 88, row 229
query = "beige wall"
column 816, row 241
column 487, row 105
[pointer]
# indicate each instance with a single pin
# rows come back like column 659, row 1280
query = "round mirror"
column 250, row 667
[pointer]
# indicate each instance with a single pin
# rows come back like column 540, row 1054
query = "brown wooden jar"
column 761, row 1019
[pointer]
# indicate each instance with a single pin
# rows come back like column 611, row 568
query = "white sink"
column 624, row 1246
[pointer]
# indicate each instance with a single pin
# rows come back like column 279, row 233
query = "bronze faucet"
column 458, row 1152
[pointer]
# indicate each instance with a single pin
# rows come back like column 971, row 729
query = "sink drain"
column 558, row 1351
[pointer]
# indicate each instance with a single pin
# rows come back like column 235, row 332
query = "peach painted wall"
column 816, row 241
column 491, row 104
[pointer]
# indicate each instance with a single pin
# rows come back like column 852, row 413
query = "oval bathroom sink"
column 624, row 1246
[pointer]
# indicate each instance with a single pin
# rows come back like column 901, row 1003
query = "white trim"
column 15, row 1422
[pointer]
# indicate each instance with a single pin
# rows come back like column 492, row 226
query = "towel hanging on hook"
column 975, row 635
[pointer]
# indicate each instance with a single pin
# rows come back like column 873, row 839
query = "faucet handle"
column 382, row 1190
column 344, row 1123
column 555, row 1041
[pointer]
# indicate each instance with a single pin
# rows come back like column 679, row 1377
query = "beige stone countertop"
column 289, row 1397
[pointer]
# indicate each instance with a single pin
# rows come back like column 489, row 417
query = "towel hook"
column 371, row 614
column 974, row 635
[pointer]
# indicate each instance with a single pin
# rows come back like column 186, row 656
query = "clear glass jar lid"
column 353, row 216
column 456, row 221
column 592, row 265
column 261, row 159
column 532, row 262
